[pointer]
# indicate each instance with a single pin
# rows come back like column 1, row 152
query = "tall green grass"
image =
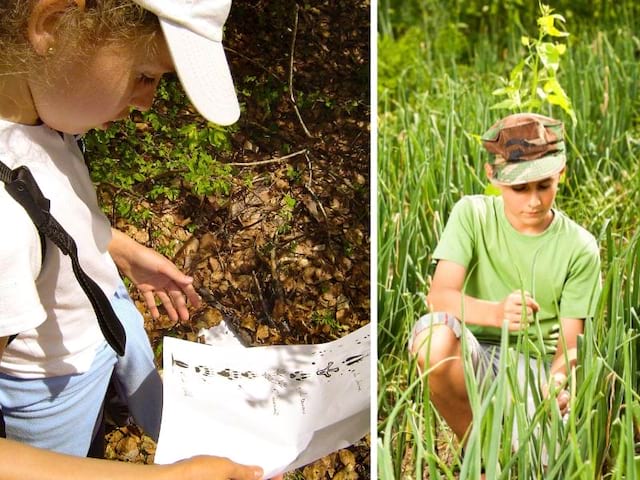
column 433, row 104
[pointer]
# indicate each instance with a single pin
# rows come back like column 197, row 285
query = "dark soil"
column 284, row 257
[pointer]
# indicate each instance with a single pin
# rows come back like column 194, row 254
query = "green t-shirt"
column 559, row 267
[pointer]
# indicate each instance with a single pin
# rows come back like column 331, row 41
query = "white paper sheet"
column 280, row 407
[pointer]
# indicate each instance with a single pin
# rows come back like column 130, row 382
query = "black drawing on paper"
column 353, row 359
column 277, row 377
column 179, row 363
column 328, row 370
column 228, row 373
column 298, row 376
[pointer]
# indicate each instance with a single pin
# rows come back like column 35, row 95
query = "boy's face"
column 93, row 92
column 528, row 205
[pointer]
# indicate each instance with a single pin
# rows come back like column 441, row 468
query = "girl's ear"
column 41, row 29
column 488, row 170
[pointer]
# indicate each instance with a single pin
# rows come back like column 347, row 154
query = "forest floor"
column 284, row 255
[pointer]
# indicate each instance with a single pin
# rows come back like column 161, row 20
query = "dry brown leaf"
column 263, row 332
column 248, row 322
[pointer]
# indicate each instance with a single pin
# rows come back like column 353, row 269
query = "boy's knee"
column 434, row 347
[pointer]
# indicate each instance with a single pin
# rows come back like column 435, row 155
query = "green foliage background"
column 159, row 154
column 438, row 64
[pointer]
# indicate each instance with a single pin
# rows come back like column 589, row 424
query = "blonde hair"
column 78, row 32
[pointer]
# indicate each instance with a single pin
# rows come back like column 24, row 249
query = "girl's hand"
column 212, row 468
column 154, row 276
column 512, row 307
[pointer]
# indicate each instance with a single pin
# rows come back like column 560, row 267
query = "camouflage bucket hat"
column 526, row 147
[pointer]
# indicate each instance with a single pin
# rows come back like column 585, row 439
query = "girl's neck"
column 16, row 104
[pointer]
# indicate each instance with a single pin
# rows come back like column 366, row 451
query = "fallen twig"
column 271, row 160
column 251, row 60
column 315, row 197
column 293, row 100
column 229, row 316
column 265, row 307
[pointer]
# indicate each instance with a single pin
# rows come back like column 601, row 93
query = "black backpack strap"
column 21, row 185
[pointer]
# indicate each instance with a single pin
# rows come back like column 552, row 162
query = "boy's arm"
column 446, row 296
column 564, row 361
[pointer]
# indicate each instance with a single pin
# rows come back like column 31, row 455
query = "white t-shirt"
column 43, row 302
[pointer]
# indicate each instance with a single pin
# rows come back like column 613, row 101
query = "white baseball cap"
column 193, row 30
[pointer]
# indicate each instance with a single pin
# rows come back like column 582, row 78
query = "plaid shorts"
column 485, row 357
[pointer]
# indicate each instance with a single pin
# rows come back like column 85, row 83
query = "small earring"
column 50, row 51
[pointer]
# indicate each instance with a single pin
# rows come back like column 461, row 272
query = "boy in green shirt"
column 514, row 259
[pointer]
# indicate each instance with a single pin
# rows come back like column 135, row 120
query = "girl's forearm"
column 121, row 249
column 23, row 462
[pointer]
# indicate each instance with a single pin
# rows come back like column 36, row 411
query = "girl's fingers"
column 150, row 300
column 179, row 303
column 192, row 295
column 168, row 305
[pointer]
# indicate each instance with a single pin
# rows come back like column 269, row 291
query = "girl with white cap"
column 67, row 66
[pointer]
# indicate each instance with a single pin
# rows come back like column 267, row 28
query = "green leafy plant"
column 286, row 213
column 534, row 80
column 326, row 318
column 294, row 175
column 159, row 154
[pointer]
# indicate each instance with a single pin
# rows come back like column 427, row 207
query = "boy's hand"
column 555, row 386
column 511, row 309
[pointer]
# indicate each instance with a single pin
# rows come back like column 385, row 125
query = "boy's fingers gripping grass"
column 517, row 309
